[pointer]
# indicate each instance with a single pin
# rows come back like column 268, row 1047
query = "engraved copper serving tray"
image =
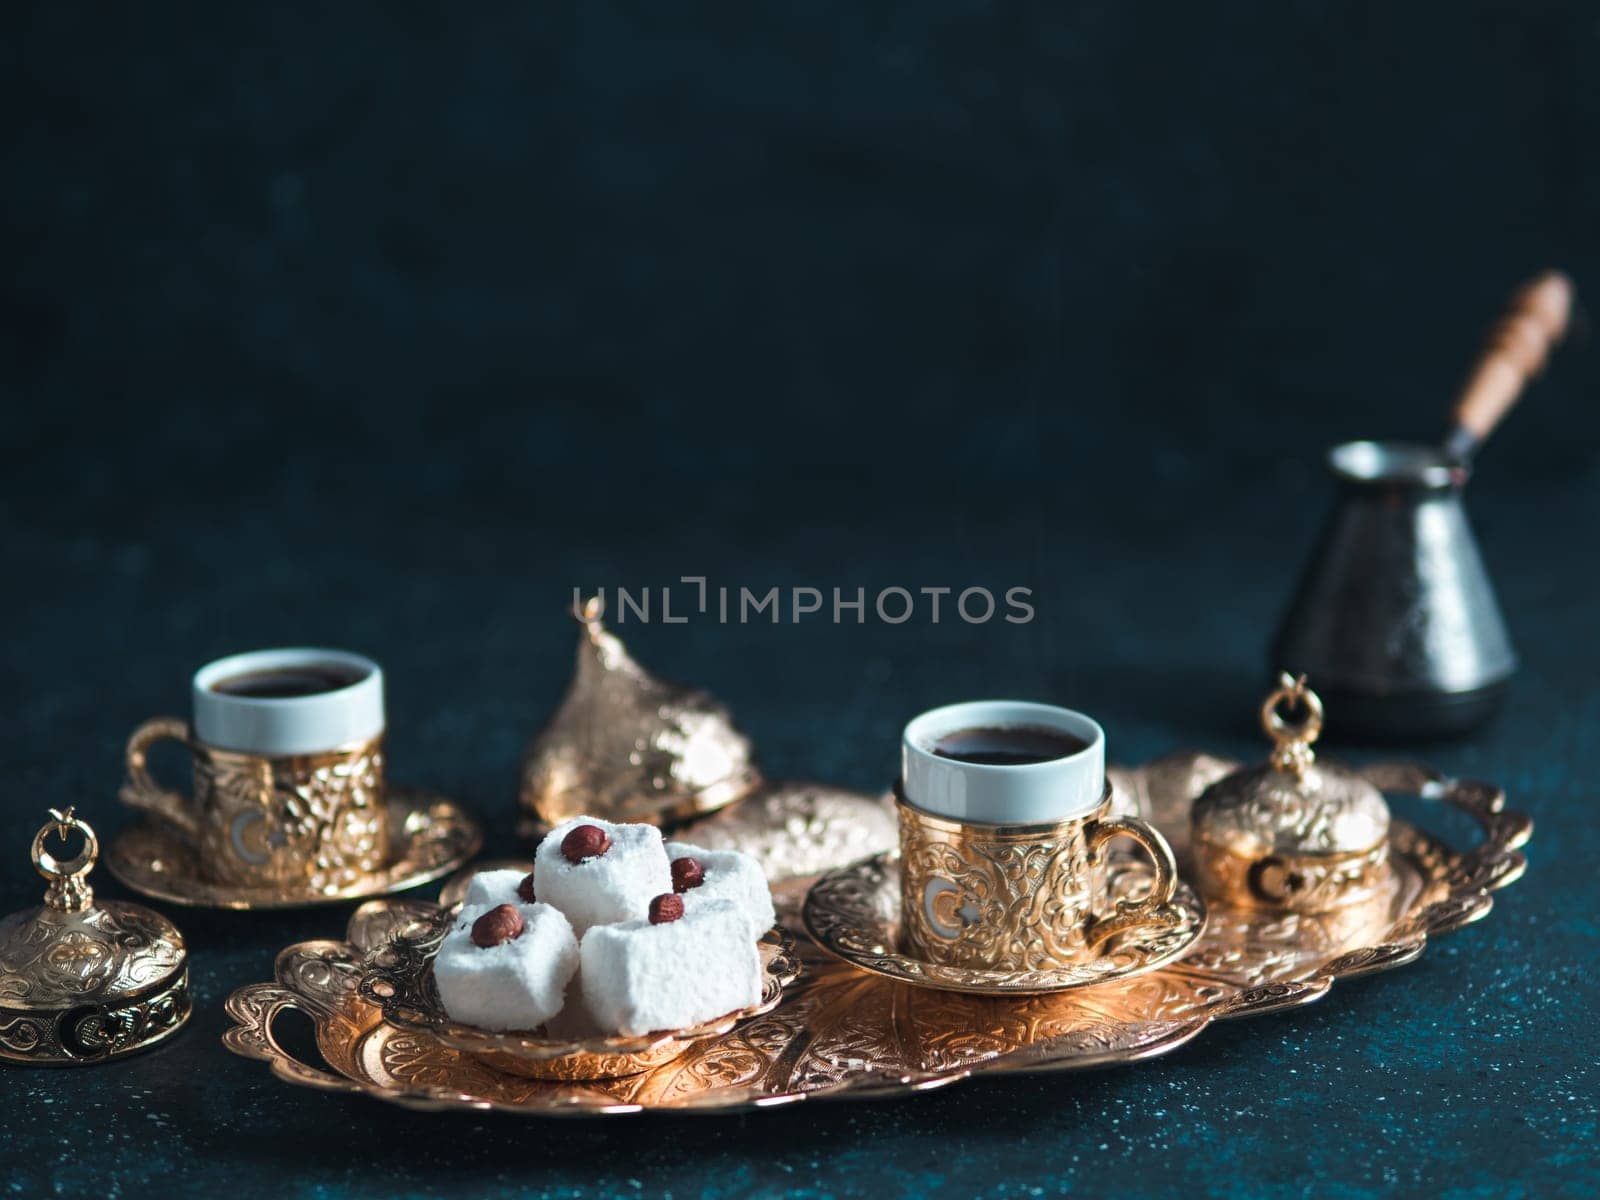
column 841, row 1032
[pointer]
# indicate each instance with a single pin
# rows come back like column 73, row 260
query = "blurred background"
column 387, row 326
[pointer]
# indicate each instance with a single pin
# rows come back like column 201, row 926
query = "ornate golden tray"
column 843, row 1033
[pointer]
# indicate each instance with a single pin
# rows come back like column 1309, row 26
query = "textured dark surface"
column 385, row 331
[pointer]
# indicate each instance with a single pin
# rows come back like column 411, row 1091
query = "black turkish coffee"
column 289, row 683
column 1008, row 746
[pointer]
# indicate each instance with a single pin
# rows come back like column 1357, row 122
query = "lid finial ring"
column 69, row 890
column 1292, row 738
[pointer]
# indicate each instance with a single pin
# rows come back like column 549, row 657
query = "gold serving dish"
column 397, row 977
column 844, row 1033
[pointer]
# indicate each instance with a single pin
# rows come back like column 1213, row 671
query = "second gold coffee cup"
column 288, row 790
column 1004, row 824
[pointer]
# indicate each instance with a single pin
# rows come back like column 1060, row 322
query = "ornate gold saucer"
column 854, row 913
column 844, row 1033
column 397, row 977
column 429, row 837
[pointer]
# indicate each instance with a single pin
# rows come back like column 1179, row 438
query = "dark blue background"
column 386, row 326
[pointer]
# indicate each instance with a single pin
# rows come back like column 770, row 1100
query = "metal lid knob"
column 69, row 889
column 1292, row 740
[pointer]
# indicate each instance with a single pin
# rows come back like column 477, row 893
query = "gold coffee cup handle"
column 141, row 791
column 1156, row 907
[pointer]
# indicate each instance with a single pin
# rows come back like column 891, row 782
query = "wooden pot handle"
column 1517, row 349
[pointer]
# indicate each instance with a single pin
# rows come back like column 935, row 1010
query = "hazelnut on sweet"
column 666, row 908
column 502, row 924
column 525, row 889
column 585, row 842
column 687, row 873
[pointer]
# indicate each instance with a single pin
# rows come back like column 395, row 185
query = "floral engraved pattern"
column 991, row 903
column 95, row 1031
column 24, row 1037
column 51, row 959
column 1270, row 811
column 105, row 1032
column 1304, row 883
column 312, row 818
column 797, row 830
column 79, row 955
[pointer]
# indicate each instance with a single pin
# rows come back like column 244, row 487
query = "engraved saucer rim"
column 975, row 981
column 404, row 802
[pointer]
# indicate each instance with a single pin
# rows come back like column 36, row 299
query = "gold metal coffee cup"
column 1005, row 817
column 288, row 789
column 1022, row 897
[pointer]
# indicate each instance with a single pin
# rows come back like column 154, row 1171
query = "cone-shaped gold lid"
column 1293, row 832
column 82, row 980
column 627, row 746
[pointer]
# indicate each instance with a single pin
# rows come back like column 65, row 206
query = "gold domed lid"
column 627, row 746
column 83, row 980
column 1292, row 806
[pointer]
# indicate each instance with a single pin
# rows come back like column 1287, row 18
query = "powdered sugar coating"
column 516, row 985
column 639, row 978
column 616, row 886
column 731, row 876
column 489, row 888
